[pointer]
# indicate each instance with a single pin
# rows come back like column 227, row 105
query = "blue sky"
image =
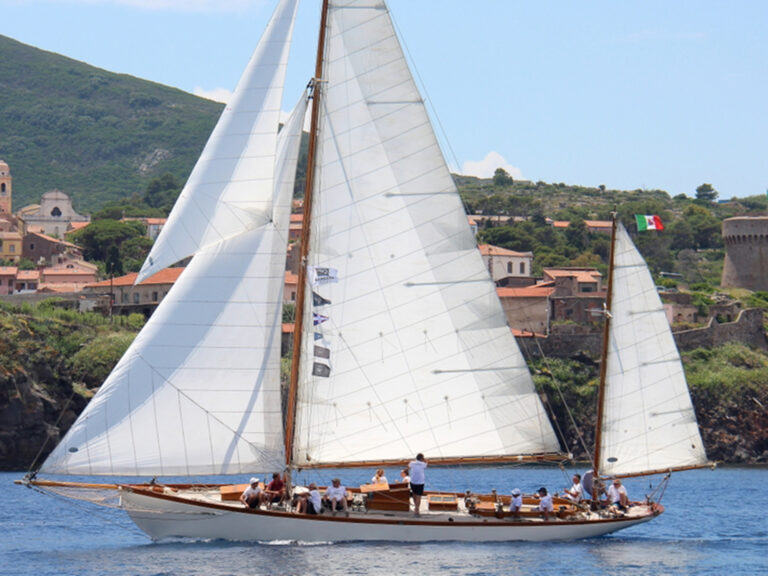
column 630, row 94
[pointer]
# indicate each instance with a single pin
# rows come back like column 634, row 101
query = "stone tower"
column 746, row 253
column 5, row 188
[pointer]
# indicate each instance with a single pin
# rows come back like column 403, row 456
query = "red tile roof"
column 488, row 249
column 166, row 276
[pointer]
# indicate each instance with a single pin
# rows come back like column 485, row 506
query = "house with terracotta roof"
column 527, row 308
column 76, row 273
column 27, row 281
column 7, row 279
column 10, row 246
column 142, row 298
column 503, row 263
column 290, row 288
column 579, row 294
column 40, row 247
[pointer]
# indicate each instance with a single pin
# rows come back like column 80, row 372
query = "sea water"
column 716, row 522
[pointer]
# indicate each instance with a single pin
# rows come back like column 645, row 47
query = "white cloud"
column 488, row 165
column 217, row 94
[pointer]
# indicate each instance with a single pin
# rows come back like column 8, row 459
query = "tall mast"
column 300, row 293
column 604, row 361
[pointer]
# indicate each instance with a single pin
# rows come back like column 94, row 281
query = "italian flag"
column 648, row 222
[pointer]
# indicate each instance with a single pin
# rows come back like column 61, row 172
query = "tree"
column 706, row 193
column 100, row 235
column 502, row 178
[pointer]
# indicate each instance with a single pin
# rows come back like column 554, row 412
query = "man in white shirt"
column 546, row 506
column 617, row 495
column 253, row 495
column 418, row 479
column 576, row 492
column 516, row 504
column 336, row 496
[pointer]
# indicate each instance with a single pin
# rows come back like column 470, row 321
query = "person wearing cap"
column 617, row 496
column 311, row 502
column 336, row 496
column 575, row 493
column 516, row 504
column 253, row 495
column 545, row 503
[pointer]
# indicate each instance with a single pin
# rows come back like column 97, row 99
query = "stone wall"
column 746, row 329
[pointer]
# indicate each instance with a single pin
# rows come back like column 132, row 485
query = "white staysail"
column 649, row 422
column 410, row 351
column 230, row 187
column 198, row 391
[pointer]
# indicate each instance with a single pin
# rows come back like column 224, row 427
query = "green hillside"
column 93, row 134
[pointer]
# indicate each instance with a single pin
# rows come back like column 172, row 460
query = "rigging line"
column 583, row 443
column 32, row 467
column 428, row 99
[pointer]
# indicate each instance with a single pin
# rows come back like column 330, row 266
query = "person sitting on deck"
column 617, row 496
column 379, row 477
column 336, row 497
column 546, row 505
column 516, row 503
column 311, row 502
column 275, row 491
column 575, row 493
column 404, row 476
column 253, row 495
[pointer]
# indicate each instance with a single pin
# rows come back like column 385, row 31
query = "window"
column 56, row 212
column 509, row 268
column 124, row 297
column 154, row 296
column 2, row 187
column 12, row 248
column 135, row 297
column 31, row 246
column 522, row 267
column 293, row 296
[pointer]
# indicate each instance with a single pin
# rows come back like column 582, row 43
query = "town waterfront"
column 715, row 523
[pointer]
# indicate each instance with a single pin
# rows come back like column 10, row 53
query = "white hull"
column 163, row 517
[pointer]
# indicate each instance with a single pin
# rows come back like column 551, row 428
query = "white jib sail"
column 410, row 351
column 230, row 187
column 198, row 392
column 649, row 422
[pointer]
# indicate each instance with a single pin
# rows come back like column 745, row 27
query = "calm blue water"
column 715, row 523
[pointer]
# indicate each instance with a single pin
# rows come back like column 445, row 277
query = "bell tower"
column 5, row 188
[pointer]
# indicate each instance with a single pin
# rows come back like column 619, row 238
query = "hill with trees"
column 93, row 134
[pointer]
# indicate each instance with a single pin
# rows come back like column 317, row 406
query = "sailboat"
column 400, row 346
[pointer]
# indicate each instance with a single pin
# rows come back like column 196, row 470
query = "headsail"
column 230, row 187
column 198, row 392
column 410, row 350
column 649, row 423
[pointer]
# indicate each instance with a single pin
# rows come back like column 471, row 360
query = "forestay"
column 409, row 351
column 230, row 187
column 198, row 391
column 649, row 422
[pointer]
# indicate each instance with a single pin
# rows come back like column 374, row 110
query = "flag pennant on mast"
column 322, row 370
column 318, row 300
column 648, row 222
column 318, row 318
column 322, row 275
column 322, row 352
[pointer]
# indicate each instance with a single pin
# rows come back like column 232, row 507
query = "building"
column 528, row 308
column 503, row 263
column 53, row 217
column 7, row 279
column 746, row 253
column 142, row 298
column 6, row 189
column 10, row 246
column 41, row 248
column 71, row 275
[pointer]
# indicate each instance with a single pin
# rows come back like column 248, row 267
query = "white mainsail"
column 198, row 391
column 411, row 352
column 649, row 422
column 230, row 187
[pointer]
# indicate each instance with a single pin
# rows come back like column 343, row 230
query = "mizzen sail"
column 649, row 422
